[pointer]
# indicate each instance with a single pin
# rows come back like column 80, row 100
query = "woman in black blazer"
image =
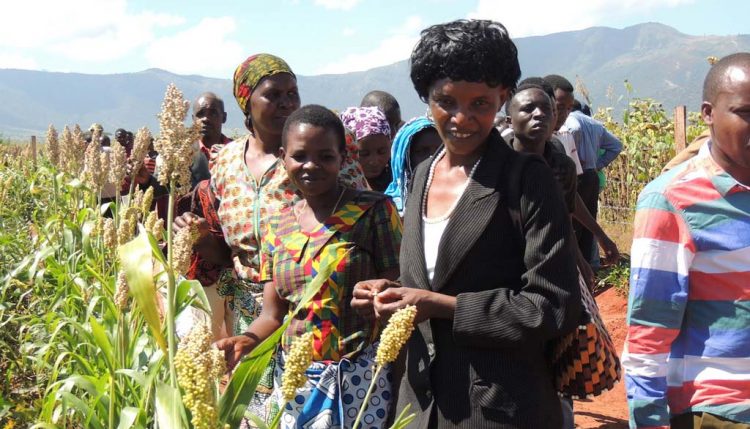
column 491, row 290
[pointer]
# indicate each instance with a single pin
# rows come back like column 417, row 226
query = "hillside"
column 659, row 62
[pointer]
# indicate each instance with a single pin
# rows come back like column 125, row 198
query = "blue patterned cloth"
column 400, row 166
column 333, row 395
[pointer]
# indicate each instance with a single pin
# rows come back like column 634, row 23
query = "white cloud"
column 34, row 23
column 73, row 19
column 17, row 61
column 131, row 32
column 90, row 30
column 203, row 49
column 555, row 15
column 393, row 48
column 337, row 4
column 348, row 32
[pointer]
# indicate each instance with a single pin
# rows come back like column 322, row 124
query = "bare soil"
column 608, row 410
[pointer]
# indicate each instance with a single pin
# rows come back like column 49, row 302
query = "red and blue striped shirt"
column 688, row 342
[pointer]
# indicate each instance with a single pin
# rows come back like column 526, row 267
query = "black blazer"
column 488, row 367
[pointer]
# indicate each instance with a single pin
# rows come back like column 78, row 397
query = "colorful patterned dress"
column 366, row 231
column 244, row 207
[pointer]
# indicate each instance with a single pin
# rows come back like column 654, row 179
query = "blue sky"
column 314, row 36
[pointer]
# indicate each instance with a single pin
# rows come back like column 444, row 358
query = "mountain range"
column 657, row 61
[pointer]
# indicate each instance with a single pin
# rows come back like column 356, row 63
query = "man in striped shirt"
column 687, row 354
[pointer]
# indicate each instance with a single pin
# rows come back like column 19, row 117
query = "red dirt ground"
column 609, row 410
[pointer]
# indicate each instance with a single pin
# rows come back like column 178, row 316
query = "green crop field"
column 88, row 304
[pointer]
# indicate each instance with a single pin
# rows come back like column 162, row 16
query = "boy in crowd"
column 388, row 105
column 589, row 136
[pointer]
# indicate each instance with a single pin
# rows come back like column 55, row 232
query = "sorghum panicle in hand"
column 183, row 248
column 297, row 361
column 395, row 335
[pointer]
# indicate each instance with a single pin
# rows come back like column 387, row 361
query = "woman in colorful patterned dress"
column 331, row 221
column 249, row 183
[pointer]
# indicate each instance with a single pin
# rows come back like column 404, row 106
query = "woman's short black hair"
column 464, row 50
column 318, row 116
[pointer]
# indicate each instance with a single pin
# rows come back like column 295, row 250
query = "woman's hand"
column 234, row 348
column 364, row 294
column 142, row 176
column 430, row 305
column 187, row 219
column 270, row 319
column 209, row 246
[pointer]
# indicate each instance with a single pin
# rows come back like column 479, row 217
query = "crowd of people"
column 417, row 213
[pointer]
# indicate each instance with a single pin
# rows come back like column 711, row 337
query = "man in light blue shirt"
column 590, row 136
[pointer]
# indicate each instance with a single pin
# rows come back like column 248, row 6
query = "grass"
column 617, row 275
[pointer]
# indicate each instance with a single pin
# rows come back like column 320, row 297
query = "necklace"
column 303, row 206
column 430, row 175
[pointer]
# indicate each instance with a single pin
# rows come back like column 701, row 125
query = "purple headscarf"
column 365, row 121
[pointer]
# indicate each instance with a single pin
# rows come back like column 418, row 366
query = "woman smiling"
column 490, row 293
column 329, row 222
column 249, row 183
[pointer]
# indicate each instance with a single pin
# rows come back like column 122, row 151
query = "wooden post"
column 33, row 150
column 680, row 128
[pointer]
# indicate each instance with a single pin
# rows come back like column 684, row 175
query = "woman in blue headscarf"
column 416, row 141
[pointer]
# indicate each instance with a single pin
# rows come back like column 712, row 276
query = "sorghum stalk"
column 171, row 304
column 122, row 340
column 175, row 146
column 120, row 299
column 116, row 172
column 393, row 338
